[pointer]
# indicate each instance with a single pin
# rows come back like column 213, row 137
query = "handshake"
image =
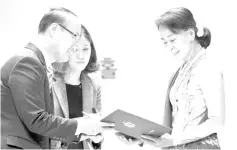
column 90, row 127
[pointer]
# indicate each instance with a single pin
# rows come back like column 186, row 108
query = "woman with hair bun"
column 193, row 106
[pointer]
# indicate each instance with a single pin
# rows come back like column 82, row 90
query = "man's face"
column 66, row 36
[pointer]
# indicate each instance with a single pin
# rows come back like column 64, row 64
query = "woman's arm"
column 210, row 85
column 195, row 133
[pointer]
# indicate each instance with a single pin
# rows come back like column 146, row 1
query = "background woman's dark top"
column 74, row 95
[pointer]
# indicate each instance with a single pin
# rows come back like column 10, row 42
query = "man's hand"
column 95, row 138
column 90, row 125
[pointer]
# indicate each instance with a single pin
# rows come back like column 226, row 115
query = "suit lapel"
column 87, row 93
column 36, row 53
column 87, row 99
column 61, row 93
column 60, row 88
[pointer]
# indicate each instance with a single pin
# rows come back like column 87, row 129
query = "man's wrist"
column 79, row 128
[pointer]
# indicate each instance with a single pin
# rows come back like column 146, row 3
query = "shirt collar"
column 48, row 61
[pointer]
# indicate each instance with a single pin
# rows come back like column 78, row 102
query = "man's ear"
column 53, row 29
column 191, row 34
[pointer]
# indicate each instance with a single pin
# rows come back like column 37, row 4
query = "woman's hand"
column 128, row 139
column 164, row 141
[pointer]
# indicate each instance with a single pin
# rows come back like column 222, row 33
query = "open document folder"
column 135, row 126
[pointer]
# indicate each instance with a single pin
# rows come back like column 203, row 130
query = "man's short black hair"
column 53, row 16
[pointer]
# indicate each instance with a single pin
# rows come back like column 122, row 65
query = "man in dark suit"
column 26, row 107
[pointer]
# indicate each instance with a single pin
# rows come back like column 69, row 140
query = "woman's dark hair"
column 178, row 19
column 92, row 65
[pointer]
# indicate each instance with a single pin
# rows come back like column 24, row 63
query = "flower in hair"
column 200, row 31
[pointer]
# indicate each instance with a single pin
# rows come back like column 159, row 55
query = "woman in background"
column 193, row 105
column 74, row 91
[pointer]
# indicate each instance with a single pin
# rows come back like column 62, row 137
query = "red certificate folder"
column 135, row 126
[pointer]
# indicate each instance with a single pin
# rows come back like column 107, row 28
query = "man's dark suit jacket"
column 26, row 106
